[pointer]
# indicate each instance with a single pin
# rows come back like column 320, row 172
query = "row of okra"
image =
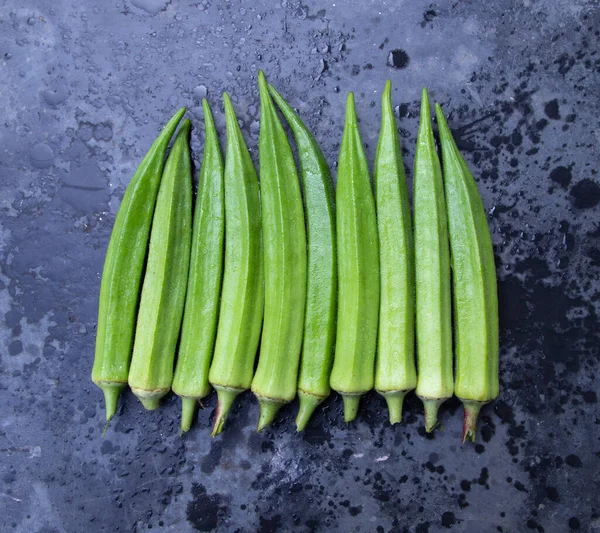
column 256, row 287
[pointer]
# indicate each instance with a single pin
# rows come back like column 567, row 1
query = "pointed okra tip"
column 387, row 90
column 386, row 101
column 263, row 92
column 350, row 110
column 231, row 122
column 228, row 106
column 441, row 120
column 262, row 81
column 184, row 130
column 178, row 115
column 208, row 117
column 275, row 94
column 425, row 107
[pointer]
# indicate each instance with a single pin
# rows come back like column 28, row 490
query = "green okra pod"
column 432, row 273
column 241, row 310
column 123, row 269
column 199, row 326
column 165, row 282
column 275, row 381
column 474, row 283
column 395, row 373
column 321, row 289
column 353, row 371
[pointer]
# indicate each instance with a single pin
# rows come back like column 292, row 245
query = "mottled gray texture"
column 85, row 87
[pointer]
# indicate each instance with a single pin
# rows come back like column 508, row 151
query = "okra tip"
column 263, row 91
column 262, row 80
column 431, row 406
column 351, row 402
column 308, row 403
column 184, row 129
column 387, row 90
column 350, row 110
column 425, row 108
column 395, row 401
column 188, row 408
column 176, row 118
column 441, row 120
column 225, row 398
column 268, row 410
column 229, row 112
column 472, row 409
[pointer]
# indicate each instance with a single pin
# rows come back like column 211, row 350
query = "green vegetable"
column 163, row 292
column 276, row 376
column 241, row 312
column 321, row 290
column 395, row 373
column 123, row 268
column 199, row 327
column 474, row 281
column 432, row 268
column 358, row 270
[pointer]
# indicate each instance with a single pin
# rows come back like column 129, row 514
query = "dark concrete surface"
column 84, row 88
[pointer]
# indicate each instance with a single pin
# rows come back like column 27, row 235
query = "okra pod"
column 395, row 373
column 474, row 283
column 321, row 284
column 199, row 326
column 241, row 310
column 275, row 381
column 163, row 291
column 432, row 269
column 123, row 269
column 353, row 370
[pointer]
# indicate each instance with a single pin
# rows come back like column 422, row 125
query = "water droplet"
column 103, row 132
column 54, row 97
column 41, row 156
column 200, row 92
column 85, row 132
column 150, row 6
